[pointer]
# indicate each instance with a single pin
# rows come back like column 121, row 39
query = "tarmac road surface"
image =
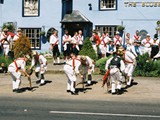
column 52, row 102
column 58, row 109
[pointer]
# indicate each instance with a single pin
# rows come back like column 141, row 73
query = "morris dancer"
column 6, row 42
column 114, row 67
column 147, row 43
column 16, row 68
column 130, row 63
column 66, row 45
column 87, row 67
column 41, row 66
column 54, row 42
column 71, row 69
column 103, row 44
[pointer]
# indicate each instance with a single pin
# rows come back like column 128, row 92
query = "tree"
column 88, row 50
column 22, row 47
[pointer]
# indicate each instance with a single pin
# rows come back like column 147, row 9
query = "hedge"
column 145, row 66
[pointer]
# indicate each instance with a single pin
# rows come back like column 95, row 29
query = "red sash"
column 136, row 37
column 55, row 42
column 148, row 41
column 104, row 41
column 17, row 68
column 74, row 45
column 117, row 39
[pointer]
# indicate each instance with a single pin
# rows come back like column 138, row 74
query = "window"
column 1, row 1
column 34, row 36
column 111, row 30
column 31, row 8
column 108, row 4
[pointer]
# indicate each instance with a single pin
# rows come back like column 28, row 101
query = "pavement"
column 144, row 89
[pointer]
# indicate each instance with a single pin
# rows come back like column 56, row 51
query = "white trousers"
column 39, row 69
column 16, row 77
column 6, row 49
column 103, row 49
column 95, row 48
column 129, row 71
column 71, row 77
column 147, row 50
column 115, row 76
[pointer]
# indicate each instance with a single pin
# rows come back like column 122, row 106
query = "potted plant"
column 120, row 29
column 42, row 33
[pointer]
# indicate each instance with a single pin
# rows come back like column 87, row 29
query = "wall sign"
column 31, row 8
column 141, row 4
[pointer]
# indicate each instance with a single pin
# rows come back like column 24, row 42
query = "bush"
column 6, row 61
column 88, row 50
column 147, row 68
column 144, row 68
column 22, row 47
column 101, row 64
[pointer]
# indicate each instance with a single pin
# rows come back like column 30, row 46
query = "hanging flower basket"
column 42, row 33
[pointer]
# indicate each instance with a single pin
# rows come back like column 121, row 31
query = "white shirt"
column 41, row 60
column 16, row 37
column 136, row 38
column 104, row 40
column 156, row 43
column 66, row 37
column 147, row 43
column 21, row 63
column 54, row 40
column 80, row 39
column 117, row 40
column 5, row 36
column 128, row 57
column 75, row 40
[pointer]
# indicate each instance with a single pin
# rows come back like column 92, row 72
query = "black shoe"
column 114, row 93
column 74, row 93
column 68, row 91
column 42, row 84
column 38, row 81
column 119, row 92
column 19, row 91
column 14, row 90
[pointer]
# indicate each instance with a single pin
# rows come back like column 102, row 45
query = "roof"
column 75, row 16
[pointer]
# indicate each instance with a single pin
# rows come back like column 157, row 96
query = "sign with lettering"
column 141, row 4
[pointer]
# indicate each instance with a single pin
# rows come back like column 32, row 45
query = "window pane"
column 107, row 4
column 110, row 29
column 34, row 36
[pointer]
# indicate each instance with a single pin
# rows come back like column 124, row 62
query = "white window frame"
column 104, row 3
column 34, row 36
column 111, row 29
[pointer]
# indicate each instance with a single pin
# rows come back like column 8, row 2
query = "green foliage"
column 101, row 64
column 6, row 61
column 88, row 50
column 147, row 68
column 10, row 27
column 22, row 47
column 120, row 28
column 144, row 68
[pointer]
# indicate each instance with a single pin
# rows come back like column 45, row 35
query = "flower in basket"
column 42, row 33
column 120, row 28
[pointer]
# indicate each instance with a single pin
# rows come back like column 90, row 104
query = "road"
column 51, row 102
column 56, row 109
